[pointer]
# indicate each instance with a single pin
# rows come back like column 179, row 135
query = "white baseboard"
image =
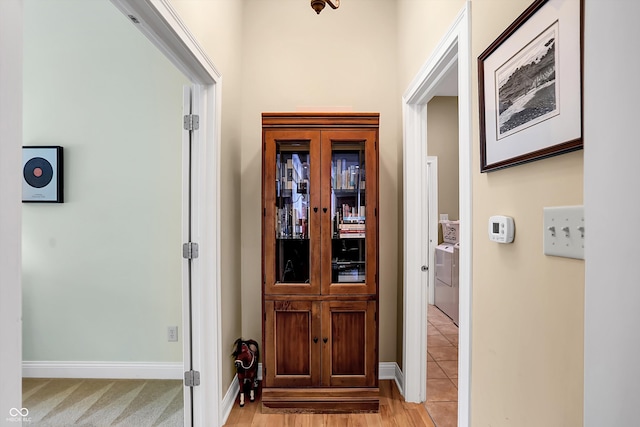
column 391, row 371
column 230, row 398
column 112, row 370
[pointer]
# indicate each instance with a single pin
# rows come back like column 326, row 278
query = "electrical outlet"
column 172, row 333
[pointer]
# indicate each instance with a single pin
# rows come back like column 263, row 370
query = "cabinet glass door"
column 351, row 220
column 290, row 169
column 348, row 214
column 292, row 214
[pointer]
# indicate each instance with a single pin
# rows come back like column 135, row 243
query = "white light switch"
column 564, row 231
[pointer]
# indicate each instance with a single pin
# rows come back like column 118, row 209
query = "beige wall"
column 421, row 26
column 442, row 134
column 217, row 27
column 294, row 59
column 527, row 308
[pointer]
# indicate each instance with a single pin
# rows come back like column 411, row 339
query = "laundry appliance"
column 447, row 274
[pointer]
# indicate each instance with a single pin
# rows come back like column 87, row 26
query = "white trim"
column 113, row 370
column 454, row 47
column 415, row 256
column 159, row 22
column 230, row 397
column 433, row 218
column 387, row 370
column 162, row 25
column 11, row 43
column 399, row 378
column 391, row 371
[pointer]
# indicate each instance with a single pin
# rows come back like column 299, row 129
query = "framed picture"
column 42, row 174
column 530, row 87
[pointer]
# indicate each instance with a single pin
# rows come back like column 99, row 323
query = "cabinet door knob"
column 315, row 209
column 324, row 210
column 325, row 339
column 315, row 339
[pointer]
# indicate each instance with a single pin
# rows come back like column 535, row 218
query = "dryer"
column 446, row 298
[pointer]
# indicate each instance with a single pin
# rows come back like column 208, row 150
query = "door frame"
column 432, row 221
column 11, row 43
column 161, row 24
column 455, row 47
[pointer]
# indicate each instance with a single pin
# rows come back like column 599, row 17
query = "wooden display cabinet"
column 320, row 262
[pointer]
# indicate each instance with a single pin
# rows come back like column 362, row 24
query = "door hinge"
column 192, row 378
column 191, row 122
column 190, row 250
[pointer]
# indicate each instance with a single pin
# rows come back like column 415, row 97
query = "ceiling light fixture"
column 318, row 5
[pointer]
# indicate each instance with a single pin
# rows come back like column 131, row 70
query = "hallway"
column 442, row 368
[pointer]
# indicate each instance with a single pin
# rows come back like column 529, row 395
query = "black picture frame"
column 42, row 174
column 530, row 87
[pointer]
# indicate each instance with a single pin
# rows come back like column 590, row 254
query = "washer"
column 445, row 295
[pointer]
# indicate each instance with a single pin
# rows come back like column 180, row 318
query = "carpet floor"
column 101, row 403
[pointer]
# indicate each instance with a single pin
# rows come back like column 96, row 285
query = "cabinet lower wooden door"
column 349, row 338
column 292, row 353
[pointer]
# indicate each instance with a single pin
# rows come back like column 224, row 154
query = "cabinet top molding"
column 329, row 119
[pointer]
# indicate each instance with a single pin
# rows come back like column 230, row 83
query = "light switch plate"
column 564, row 231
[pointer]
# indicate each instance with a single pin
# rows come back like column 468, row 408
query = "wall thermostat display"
column 501, row 229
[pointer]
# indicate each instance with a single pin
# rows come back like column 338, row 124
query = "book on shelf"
column 289, row 174
column 352, row 226
column 354, row 219
column 351, row 276
column 352, row 234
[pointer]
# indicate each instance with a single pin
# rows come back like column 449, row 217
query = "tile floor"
column 442, row 368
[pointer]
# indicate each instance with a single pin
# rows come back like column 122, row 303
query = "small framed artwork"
column 530, row 87
column 42, row 171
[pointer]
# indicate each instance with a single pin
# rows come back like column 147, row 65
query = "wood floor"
column 394, row 411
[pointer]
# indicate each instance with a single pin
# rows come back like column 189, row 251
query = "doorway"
column 163, row 28
column 453, row 49
column 443, row 199
column 102, row 281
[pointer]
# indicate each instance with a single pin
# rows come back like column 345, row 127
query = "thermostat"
column 501, row 229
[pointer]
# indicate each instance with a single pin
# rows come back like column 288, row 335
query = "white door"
column 190, row 249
